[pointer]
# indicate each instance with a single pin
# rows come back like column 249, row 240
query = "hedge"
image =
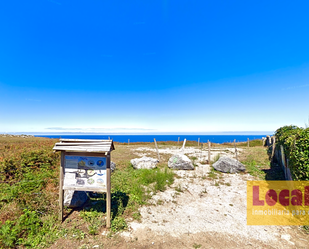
column 295, row 141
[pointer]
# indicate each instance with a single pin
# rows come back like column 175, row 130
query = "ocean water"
column 149, row 138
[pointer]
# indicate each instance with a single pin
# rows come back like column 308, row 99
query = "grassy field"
column 29, row 191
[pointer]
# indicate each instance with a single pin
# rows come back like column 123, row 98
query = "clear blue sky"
column 153, row 66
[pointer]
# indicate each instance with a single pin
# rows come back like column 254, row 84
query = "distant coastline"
column 149, row 138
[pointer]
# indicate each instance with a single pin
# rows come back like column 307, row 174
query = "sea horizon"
column 160, row 138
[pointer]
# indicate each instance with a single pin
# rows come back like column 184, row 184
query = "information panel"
column 83, row 172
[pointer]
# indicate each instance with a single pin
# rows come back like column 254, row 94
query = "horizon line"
column 143, row 133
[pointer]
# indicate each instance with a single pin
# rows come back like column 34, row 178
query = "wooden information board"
column 85, row 166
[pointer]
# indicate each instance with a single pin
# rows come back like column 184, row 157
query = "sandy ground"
column 200, row 212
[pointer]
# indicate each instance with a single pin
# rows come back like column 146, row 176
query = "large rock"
column 73, row 199
column 228, row 165
column 180, row 161
column 113, row 166
column 144, row 163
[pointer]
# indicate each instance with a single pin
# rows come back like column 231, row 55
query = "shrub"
column 295, row 142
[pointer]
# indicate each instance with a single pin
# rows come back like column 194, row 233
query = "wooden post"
column 157, row 149
column 283, row 161
column 248, row 143
column 235, row 149
column 178, row 140
column 109, row 138
column 108, row 191
column 198, row 142
column 183, row 146
column 273, row 149
column 209, row 152
column 61, row 177
column 128, row 141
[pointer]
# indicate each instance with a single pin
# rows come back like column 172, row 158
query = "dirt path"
column 200, row 211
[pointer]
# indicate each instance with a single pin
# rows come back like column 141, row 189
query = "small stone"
column 286, row 237
column 113, row 166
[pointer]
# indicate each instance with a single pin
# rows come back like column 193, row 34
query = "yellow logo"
column 277, row 203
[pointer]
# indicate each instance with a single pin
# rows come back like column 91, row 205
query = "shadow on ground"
column 97, row 202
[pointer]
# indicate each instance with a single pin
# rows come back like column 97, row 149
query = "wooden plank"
column 157, row 149
column 83, row 148
column 108, row 192
column 85, row 154
column 94, row 189
column 83, row 144
column 61, row 177
column 83, row 141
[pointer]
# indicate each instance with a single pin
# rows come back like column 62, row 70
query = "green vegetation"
column 253, row 168
column 214, row 174
column 295, row 142
column 217, row 157
column 306, row 229
column 29, row 195
column 196, row 246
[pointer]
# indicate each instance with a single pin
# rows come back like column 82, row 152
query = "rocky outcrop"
column 180, row 161
column 73, row 199
column 144, row 163
column 228, row 165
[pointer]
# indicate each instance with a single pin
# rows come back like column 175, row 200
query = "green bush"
column 295, row 142
column 118, row 224
column 23, row 230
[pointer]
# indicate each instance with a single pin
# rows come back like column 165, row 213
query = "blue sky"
column 153, row 66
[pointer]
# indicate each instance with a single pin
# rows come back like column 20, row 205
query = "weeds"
column 178, row 188
column 196, row 246
column 118, row 224
column 94, row 219
column 217, row 157
column 214, row 174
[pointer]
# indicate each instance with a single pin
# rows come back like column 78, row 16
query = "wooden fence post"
column 235, row 149
column 108, row 192
column 178, row 140
column 248, row 143
column 128, row 141
column 157, row 148
column 283, row 160
column 183, row 146
column 209, row 152
column 273, row 149
column 198, row 142
column 61, row 178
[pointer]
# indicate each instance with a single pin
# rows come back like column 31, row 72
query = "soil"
column 197, row 211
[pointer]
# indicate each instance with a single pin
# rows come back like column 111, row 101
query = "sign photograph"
column 85, row 172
